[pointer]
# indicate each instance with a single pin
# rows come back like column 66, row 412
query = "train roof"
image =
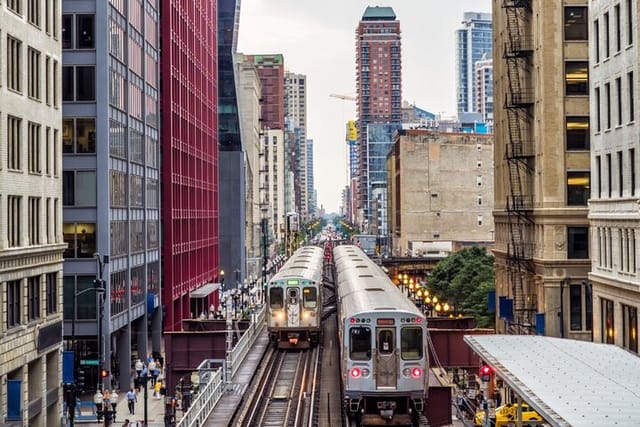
column 364, row 288
column 305, row 263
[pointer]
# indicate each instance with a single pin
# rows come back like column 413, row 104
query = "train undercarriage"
column 384, row 411
column 294, row 339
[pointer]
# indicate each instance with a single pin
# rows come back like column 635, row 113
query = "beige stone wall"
column 443, row 189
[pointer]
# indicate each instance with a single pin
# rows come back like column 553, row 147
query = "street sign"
column 89, row 362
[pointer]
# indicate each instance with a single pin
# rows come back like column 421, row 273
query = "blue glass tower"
column 473, row 40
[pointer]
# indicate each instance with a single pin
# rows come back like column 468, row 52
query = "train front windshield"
column 411, row 343
column 276, row 298
column 310, row 298
column 360, row 343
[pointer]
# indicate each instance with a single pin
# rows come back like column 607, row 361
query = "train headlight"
column 365, row 372
column 356, row 373
column 280, row 315
column 406, row 372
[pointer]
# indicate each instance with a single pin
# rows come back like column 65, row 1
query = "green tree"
column 464, row 279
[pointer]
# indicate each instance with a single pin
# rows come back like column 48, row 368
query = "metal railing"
column 212, row 382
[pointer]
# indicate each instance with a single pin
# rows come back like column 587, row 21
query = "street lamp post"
column 100, row 283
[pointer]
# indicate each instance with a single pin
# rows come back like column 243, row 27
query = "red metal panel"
column 451, row 350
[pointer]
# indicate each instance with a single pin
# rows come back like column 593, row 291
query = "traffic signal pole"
column 485, row 372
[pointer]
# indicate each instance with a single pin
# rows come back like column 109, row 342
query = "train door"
column 293, row 307
column 386, row 358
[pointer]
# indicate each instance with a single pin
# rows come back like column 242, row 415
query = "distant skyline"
column 318, row 39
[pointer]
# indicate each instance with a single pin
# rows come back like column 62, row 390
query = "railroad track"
column 284, row 391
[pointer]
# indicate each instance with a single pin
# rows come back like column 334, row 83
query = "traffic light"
column 485, row 372
column 104, row 373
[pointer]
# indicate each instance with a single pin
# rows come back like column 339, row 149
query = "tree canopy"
column 464, row 279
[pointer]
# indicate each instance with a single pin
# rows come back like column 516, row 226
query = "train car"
column 383, row 344
column 294, row 297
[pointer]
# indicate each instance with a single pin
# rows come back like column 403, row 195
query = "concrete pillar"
column 123, row 351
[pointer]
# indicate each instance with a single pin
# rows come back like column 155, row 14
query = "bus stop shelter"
column 568, row 382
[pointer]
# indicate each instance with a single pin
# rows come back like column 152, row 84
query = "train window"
column 411, row 343
column 385, row 342
column 310, row 297
column 293, row 296
column 360, row 342
column 276, row 295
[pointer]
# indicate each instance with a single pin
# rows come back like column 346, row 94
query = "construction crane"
column 345, row 97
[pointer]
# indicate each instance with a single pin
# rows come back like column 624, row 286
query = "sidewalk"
column 155, row 411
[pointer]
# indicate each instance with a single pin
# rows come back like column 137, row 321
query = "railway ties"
column 281, row 394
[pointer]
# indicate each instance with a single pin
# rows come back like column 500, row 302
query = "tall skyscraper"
column 473, row 41
column 295, row 111
column 31, row 241
column 379, row 93
column 615, row 192
column 484, row 90
column 190, row 159
column 542, row 169
column 110, row 140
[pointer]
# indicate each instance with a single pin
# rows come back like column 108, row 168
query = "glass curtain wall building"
column 474, row 40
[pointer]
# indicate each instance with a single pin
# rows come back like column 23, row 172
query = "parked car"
column 506, row 413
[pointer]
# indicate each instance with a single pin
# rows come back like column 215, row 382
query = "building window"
column 13, row 303
column 578, row 242
column 33, row 298
column 619, row 101
column 56, row 88
column 620, row 174
column 575, row 307
column 47, row 82
column 596, row 40
column 607, row 96
column 33, row 89
column 606, row 318
column 575, row 23
column 609, row 175
column 632, row 112
column 14, row 142
column 577, row 133
column 632, row 170
column 616, row 16
column 630, row 328
column 33, row 12
column 479, row 200
column 578, row 187
column 79, row 188
column 13, row 220
column 85, row 303
column 599, row 176
column 597, row 102
column 607, row 32
column 577, row 77
column 78, row 83
column 52, row 293
column 34, row 147
column 14, row 63
column 34, row 220
column 81, row 240
column 79, row 135
column 78, row 31
column 630, row 22
column 15, row 6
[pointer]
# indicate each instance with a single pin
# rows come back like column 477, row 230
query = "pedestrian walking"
column 138, row 366
column 152, row 372
column 131, row 401
column 126, row 423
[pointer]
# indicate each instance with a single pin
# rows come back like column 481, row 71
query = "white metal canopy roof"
column 568, row 382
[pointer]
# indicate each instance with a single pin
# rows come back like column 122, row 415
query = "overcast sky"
column 317, row 38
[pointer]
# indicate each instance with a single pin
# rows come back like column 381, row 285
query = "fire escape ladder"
column 519, row 157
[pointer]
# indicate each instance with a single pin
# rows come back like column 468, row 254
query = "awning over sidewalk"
column 204, row 290
column 568, row 382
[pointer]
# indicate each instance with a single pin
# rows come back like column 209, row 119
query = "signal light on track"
column 485, row 372
column 104, row 373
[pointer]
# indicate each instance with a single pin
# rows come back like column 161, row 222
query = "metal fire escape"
column 519, row 156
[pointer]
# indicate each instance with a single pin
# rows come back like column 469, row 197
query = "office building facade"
column 31, row 241
column 111, row 146
column 615, row 193
column 542, row 168
column 190, row 170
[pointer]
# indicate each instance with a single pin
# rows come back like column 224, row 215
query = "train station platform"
column 234, row 392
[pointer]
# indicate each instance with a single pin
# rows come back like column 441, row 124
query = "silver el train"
column 383, row 344
column 294, row 297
